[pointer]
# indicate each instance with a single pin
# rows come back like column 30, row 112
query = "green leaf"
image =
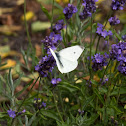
column 68, row 86
column 11, row 84
column 88, row 100
column 91, row 120
column 46, row 12
column 99, row 96
column 31, row 120
column 121, row 91
column 39, row 26
column 50, row 114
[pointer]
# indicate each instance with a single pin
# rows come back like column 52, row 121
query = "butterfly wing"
column 63, row 64
column 67, row 65
column 71, row 53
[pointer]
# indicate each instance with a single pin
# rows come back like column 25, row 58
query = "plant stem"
column 105, row 70
column 52, row 16
column 97, row 44
column 26, row 25
column 57, row 108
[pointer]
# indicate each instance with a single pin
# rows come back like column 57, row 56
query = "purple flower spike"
column 114, row 20
column 11, row 113
column 118, row 4
column 99, row 61
column 89, row 8
column 69, row 11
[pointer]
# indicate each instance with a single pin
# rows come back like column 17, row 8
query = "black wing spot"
column 58, row 57
column 74, row 52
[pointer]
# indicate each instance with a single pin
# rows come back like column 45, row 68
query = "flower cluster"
column 103, row 32
column 104, row 80
column 89, row 8
column 99, row 61
column 55, row 81
column 118, row 52
column 114, row 20
column 118, row 4
column 45, row 65
column 69, row 11
column 51, row 41
column 39, row 104
column 58, row 26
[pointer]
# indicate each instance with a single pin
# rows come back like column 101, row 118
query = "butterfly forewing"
column 71, row 53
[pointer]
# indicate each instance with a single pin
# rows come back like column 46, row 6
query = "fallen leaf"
column 96, row 78
column 10, row 63
column 38, row 50
column 29, row 77
column 29, row 16
column 39, row 26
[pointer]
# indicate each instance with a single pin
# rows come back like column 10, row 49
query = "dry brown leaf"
column 38, row 50
column 96, row 78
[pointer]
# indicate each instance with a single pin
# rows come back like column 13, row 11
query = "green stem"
column 61, row 101
column 90, row 51
column 97, row 44
column 26, row 25
column 105, row 71
column 52, row 16
column 57, row 108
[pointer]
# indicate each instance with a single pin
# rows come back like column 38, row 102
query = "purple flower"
column 58, row 26
column 45, row 65
column 118, row 4
column 114, row 20
column 55, row 81
column 69, row 11
column 11, row 113
column 104, row 33
column 99, row 61
column 124, row 37
column 43, row 104
column 81, row 111
column 105, row 79
column 99, row 29
column 89, row 8
column 110, row 33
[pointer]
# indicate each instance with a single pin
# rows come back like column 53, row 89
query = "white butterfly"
column 66, row 59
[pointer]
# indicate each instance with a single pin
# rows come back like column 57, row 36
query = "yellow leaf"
column 122, row 17
column 5, row 51
column 29, row 16
column 29, row 77
column 58, row 1
column 98, row 17
column 65, row 1
column 108, row 26
column 10, row 63
column 99, row 1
